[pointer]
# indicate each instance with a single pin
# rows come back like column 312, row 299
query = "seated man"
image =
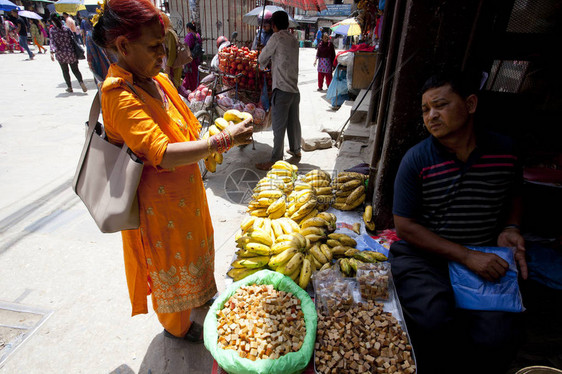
column 459, row 187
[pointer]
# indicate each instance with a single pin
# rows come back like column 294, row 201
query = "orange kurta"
column 172, row 251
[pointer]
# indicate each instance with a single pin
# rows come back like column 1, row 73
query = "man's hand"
column 511, row 237
column 487, row 265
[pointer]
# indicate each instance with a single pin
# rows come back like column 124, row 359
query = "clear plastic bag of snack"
column 332, row 291
column 373, row 280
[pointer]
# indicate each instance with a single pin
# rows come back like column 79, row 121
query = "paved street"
column 53, row 260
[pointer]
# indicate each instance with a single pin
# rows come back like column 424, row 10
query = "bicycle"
column 210, row 113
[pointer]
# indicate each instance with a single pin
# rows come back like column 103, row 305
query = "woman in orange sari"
column 171, row 254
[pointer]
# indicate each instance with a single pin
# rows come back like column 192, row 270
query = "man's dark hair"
column 463, row 83
column 280, row 19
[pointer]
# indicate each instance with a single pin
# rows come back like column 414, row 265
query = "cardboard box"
column 363, row 69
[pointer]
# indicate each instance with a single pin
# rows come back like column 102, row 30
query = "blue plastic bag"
column 338, row 91
column 475, row 293
column 366, row 243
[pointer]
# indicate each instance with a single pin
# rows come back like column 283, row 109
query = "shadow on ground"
column 166, row 355
column 542, row 340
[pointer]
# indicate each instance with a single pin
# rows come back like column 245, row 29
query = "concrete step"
column 361, row 107
column 356, row 132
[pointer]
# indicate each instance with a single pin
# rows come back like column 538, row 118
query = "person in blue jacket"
column 319, row 34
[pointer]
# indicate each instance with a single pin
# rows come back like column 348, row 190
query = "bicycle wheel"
column 205, row 120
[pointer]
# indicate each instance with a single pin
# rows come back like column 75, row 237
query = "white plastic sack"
column 346, row 58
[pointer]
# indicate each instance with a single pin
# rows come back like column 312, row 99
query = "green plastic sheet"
column 294, row 362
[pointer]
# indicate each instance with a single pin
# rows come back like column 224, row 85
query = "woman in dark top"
column 62, row 47
column 325, row 56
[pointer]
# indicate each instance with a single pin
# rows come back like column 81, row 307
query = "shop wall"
column 513, row 40
column 216, row 17
column 417, row 38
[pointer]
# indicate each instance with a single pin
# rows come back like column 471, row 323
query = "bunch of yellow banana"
column 301, row 203
column 246, row 263
column 317, row 228
column 233, row 115
column 291, row 258
column 254, row 242
column 350, row 190
column 368, row 217
column 284, row 171
column 342, row 247
column 277, row 229
column 298, row 253
column 212, row 160
column 268, row 201
column 230, row 116
column 320, row 181
column 354, row 258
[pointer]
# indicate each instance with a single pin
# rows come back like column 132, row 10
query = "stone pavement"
column 57, row 268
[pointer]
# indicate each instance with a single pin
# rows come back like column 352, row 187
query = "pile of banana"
column 288, row 229
column 296, row 250
column 349, row 190
column 230, row 116
column 282, row 245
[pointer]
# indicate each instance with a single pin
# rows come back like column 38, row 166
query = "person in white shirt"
column 282, row 50
column 71, row 24
column 222, row 42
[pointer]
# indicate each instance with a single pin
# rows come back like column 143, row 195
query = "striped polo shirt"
column 464, row 202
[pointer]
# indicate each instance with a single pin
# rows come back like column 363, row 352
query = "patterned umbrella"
column 347, row 27
column 7, row 5
column 317, row 5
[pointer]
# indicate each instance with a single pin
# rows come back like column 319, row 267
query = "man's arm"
column 511, row 236
column 489, row 266
column 267, row 51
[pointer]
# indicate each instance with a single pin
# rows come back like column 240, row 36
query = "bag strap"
column 93, row 118
column 92, row 122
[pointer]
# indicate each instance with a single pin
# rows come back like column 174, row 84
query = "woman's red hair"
column 126, row 18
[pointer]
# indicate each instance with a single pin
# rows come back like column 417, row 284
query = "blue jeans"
column 23, row 44
column 264, row 98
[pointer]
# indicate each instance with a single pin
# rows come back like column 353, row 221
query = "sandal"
column 294, row 154
column 195, row 333
column 168, row 334
column 264, row 166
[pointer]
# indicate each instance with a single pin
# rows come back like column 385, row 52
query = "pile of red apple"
column 200, row 93
column 235, row 60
